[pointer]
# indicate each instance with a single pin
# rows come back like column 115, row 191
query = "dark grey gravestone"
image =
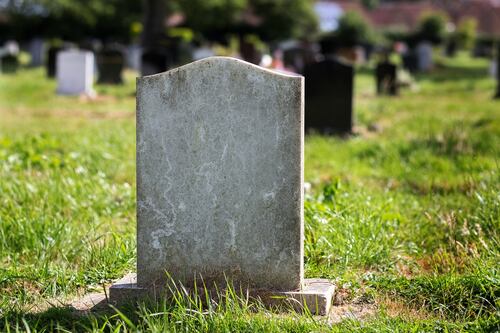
column 329, row 97
column 154, row 61
column 52, row 60
column 110, row 64
column 410, row 61
column 220, row 183
column 386, row 79
column 9, row 63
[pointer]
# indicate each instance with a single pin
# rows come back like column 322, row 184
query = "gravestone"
column 424, row 56
column 75, row 72
column 329, row 97
column 52, row 60
column 110, row 63
column 386, row 78
column 133, row 57
column 220, row 181
column 497, row 95
column 410, row 61
column 9, row 63
column 36, row 49
column 154, row 61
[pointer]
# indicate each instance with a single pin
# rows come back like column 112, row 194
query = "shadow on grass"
column 59, row 318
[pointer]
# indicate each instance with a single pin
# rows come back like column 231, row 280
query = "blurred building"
column 330, row 11
column 402, row 16
column 485, row 12
column 405, row 15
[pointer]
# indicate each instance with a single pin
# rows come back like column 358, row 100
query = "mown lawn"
column 405, row 218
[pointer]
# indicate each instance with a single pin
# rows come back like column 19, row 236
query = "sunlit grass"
column 405, row 216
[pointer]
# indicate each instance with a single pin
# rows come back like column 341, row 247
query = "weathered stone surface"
column 75, row 72
column 219, row 176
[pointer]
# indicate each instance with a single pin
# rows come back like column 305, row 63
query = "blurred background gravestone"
column 9, row 57
column 329, row 97
column 133, row 57
column 110, row 64
column 424, row 56
column 36, row 48
column 497, row 95
column 75, row 72
column 52, row 60
column 154, row 61
column 386, row 78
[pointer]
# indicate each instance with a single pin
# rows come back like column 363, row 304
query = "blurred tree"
column 73, row 19
column 284, row 19
column 353, row 30
column 432, row 27
column 370, row 4
column 153, row 21
column 119, row 19
column 466, row 33
column 206, row 16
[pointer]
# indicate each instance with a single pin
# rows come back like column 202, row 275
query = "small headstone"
column 52, row 60
column 11, row 47
column 154, row 61
column 133, row 57
column 424, row 56
column 492, row 70
column 36, row 50
column 220, row 181
column 497, row 95
column 329, row 97
column 9, row 63
column 75, row 72
column 386, row 77
column 110, row 63
column 410, row 61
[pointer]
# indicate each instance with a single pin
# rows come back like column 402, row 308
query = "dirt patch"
column 353, row 311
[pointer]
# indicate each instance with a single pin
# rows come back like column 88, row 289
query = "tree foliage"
column 282, row 19
column 77, row 19
column 353, row 30
column 370, row 4
column 203, row 15
column 432, row 27
column 73, row 19
column 466, row 33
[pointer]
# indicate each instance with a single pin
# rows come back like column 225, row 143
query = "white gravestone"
column 75, row 72
column 220, row 181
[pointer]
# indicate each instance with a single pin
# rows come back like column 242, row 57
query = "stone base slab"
column 316, row 296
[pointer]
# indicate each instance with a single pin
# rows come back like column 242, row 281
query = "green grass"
column 406, row 219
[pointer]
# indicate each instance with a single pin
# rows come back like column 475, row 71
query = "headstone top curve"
column 222, row 59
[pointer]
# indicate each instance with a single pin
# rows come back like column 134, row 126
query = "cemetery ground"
column 404, row 217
